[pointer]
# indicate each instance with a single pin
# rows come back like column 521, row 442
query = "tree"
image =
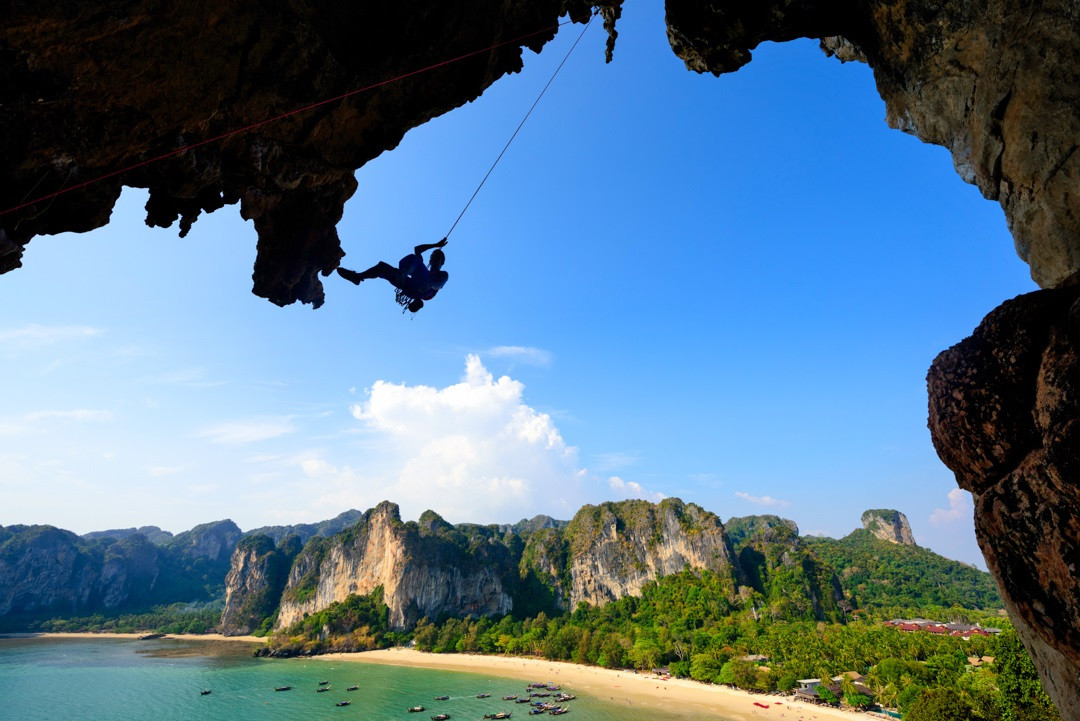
column 939, row 704
column 1022, row 695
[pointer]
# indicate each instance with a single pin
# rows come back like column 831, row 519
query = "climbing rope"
column 247, row 128
column 514, row 135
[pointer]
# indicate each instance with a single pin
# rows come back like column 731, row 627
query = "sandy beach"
column 638, row 689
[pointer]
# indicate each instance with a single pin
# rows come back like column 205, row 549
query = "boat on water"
column 283, row 688
column 343, row 703
column 416, row 709
column 323, row 683
column 511, row 697
column 558, row 711
column 352, row 688
column 440, row 717
column 204, row 692
column 564, row 697
column 524, row 700
column 483, row 695
column 442, row 698
column 536, row 711
column 322, row 688
column 499, row 715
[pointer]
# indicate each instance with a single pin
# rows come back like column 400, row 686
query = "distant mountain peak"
column 888, row 525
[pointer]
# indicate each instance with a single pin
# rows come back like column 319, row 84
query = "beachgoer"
column 415, row 281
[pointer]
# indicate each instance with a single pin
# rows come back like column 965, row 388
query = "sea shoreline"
column 618, row 687
column 211, row 637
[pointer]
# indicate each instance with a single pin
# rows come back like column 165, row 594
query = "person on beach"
column 415, row 282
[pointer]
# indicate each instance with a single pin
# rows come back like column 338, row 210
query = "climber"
column 415, row 281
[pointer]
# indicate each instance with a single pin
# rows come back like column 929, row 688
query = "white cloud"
column 473, row 451
column 522, row 354
column 959, row 508
column 248, row 431
column 630, row 489
column 762, row 500
column 34, row 334
column 35, row 420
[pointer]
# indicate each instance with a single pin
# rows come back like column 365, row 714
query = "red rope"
column 246, row 128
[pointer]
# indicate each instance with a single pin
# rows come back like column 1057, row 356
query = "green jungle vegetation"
column 190, row 618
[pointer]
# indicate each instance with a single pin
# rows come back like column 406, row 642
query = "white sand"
column 623, row 687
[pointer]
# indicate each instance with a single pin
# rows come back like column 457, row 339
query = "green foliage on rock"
column 876, row 573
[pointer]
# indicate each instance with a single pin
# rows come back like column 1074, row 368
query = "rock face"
column 888, row 525
column 616, row 548
column 86, row 92
column 996, row 83
column 257, row 574
column 1004, row 410
column 422, row 569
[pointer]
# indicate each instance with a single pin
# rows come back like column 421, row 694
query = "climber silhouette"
column 415, row 281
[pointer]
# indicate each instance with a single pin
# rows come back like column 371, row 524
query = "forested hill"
column 876, row 573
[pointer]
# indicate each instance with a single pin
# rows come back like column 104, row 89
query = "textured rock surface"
column 996, row 83
column 1005, row 417
column 89, row 89
column 616, row 548
column 888, row 525
column 421, row 573
column 257, row 574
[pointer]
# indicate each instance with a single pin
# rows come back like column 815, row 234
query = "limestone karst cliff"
column 616, row 548
column 888, row 525
column 257, row 574
column 425, row 568
column 1005, row 417
column 87, row 90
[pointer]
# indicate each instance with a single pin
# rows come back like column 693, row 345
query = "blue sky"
column 723, row 289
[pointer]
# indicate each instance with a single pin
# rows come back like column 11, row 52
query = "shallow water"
column 119, row 679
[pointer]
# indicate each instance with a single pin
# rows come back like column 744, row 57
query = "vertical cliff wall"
column 616, row 548
column 422, row 570
column 1005, row 417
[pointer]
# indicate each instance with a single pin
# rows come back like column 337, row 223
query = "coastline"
column 619, row 687
column 212, row 637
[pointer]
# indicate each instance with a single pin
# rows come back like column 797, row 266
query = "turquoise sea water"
column 121, row 679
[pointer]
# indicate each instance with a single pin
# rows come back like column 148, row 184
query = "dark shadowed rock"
column 1004, row 410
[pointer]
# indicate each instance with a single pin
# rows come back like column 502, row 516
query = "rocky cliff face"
column 616, row 548
column 43, row 568
column 888, row 525
column 1004, row 405
column 257, row 574
column 422, row 571
column 88, row 91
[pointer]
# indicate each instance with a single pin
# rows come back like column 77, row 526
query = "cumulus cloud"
column 522, row 354
column 473, row 450
column 762, row 500
column 959, row 508
column 249, row 430
column 630, row 489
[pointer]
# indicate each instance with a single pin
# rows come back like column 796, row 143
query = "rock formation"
column 616, row 548
column 257, row 574
column 87, row 91
column 1005, row 418
column 423, row 568
column 888, row 525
